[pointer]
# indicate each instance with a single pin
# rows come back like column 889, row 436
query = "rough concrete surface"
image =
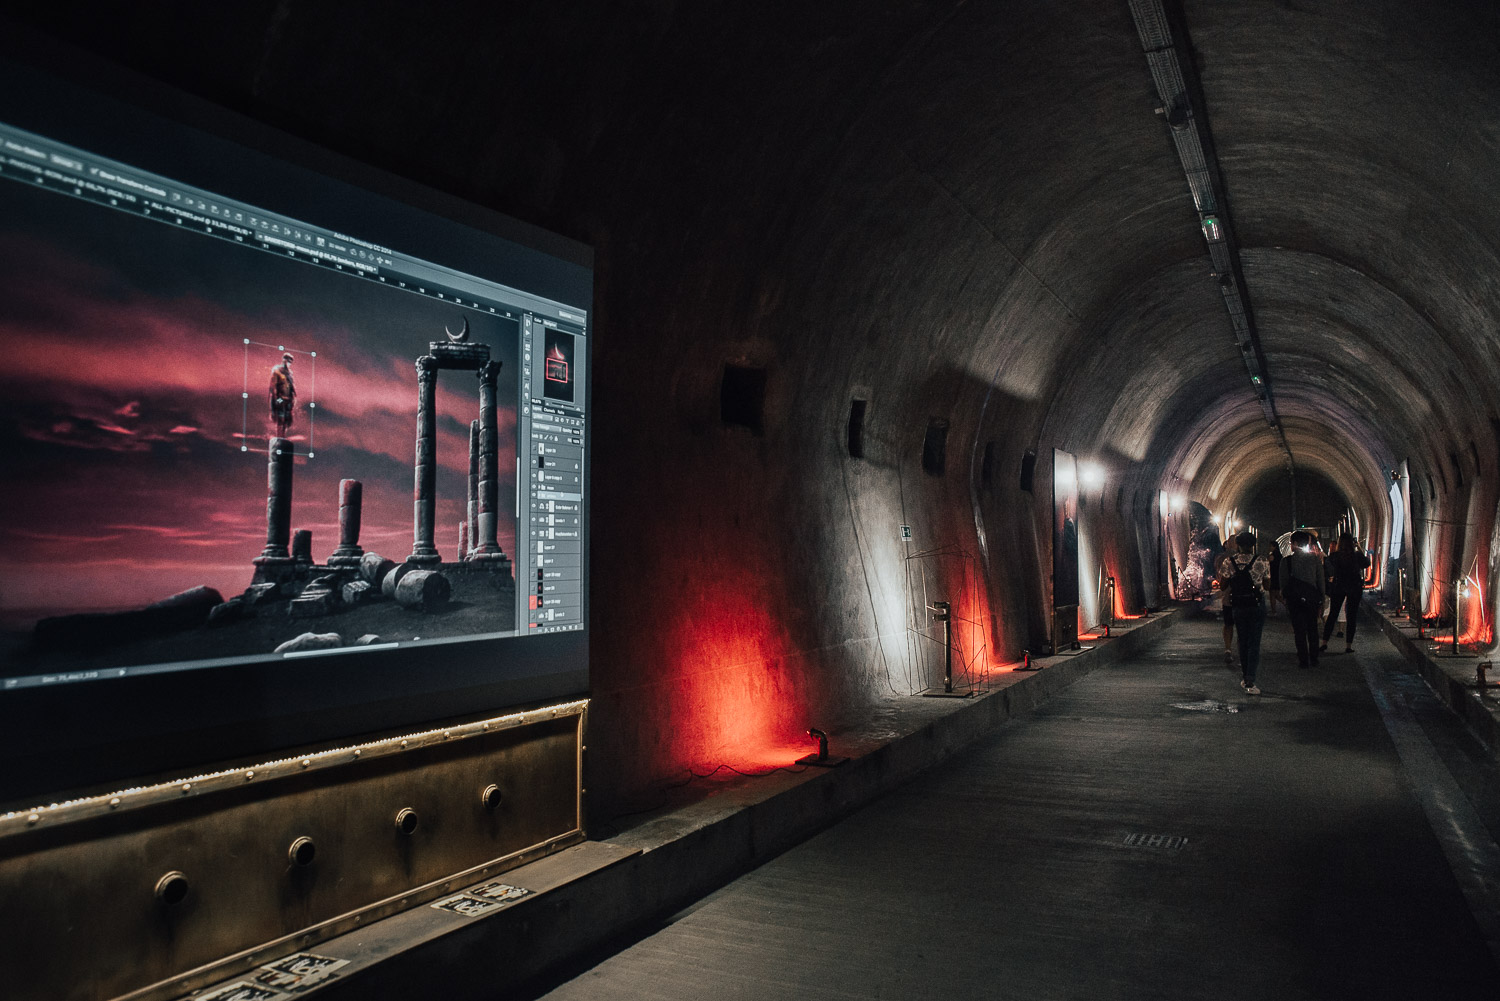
column 1308, row 868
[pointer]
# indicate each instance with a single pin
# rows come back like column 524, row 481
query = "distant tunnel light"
column 1091, row 475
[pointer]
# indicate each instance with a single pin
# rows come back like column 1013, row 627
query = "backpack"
column 1243, row 591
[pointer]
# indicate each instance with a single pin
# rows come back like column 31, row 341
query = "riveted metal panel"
column 91, row 908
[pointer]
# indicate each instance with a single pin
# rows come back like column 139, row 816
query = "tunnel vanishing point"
column 867, row 265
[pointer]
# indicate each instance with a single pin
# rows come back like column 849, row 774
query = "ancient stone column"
column 349, row 552
column 473, row 489
column 463, row 541
column 302, row 545
column 486, row 545
column 278, row 502
column 424, row 499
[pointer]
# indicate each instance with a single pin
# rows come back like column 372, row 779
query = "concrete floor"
column 1309, row 870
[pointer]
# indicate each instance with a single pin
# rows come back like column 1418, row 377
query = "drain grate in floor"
column 1160, row 842
column 1207, row 706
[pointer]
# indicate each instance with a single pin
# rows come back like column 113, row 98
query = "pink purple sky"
column 121, row 416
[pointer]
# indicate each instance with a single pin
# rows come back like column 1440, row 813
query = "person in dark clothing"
column 1346, row 585
column 1243, row 575
column 1302, row 589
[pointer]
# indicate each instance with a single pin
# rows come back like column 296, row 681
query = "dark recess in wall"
column 1268, row 502
column 987, row 466
column 935, row 447
column 1028, row 469
column 856, row 429
column 1458, row 471
column 742, row 397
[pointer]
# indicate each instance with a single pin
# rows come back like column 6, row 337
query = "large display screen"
column 270, row 435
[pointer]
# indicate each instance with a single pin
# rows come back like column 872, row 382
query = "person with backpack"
column 1245, row 582
column 1346, row 585
column 1302, row 590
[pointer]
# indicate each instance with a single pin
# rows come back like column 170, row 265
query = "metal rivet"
column 302, row 852
column 406, row 820
column 172, row 888
column 114, row 802
column 187, row 787
column 491, row 797
column 249, row 776
column 307, row 762
column 356, row 752
column 33, row 818
column 403, row 743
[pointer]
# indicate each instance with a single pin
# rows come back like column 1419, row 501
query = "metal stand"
column 942, row 611
column 1459, row 590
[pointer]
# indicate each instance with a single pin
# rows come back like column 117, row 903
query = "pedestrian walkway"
column 1153, row 832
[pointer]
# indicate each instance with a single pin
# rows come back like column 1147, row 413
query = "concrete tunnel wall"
column 961, row 213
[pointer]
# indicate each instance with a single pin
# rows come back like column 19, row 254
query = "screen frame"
column 88, row 735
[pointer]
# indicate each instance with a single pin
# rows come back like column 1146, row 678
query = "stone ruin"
column 286, row 572
column 424, row 581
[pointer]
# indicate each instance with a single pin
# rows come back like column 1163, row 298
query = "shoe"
column 1339, row 634
column 1228, row 657
column 1251, row 690
column 1348, row 649
column 1322, row 648
column 1242, row 684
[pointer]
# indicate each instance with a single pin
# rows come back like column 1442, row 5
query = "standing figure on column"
column 283, row 395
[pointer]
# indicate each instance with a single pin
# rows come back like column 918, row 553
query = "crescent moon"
column 463, row 333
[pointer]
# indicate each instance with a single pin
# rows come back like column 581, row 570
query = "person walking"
column 1227, row 613
column 1245, row 583
column 1346, row 585
column 1302, row 589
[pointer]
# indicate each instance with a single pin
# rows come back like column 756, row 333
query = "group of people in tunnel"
column 1303, row 579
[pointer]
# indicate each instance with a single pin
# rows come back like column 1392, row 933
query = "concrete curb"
column 1451, row 680
column 684, row 855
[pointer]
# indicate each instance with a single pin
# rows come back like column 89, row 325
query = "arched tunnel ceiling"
column 1371, row 280
column 1357, row 145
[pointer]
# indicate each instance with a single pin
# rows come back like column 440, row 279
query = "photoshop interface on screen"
column 550, row 386
column 550, row 563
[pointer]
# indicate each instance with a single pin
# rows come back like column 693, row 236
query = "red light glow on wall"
column 1476, row 626
column 735, row 695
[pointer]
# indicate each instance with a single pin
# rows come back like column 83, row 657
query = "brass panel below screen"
column 113, row 904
